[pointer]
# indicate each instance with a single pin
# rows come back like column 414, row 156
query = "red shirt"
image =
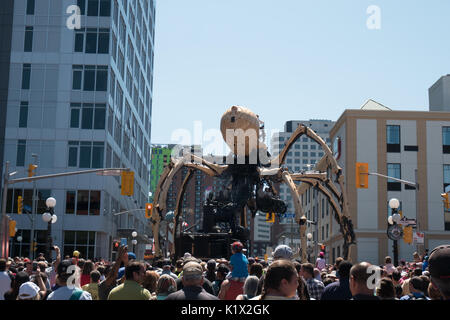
column 236, row 288
column 85, row 279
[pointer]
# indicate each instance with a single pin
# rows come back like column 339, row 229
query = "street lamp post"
column 134, row 241
column 394, row 232
column 50, row 218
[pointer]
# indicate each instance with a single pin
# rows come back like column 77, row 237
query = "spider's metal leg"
column 299, row 215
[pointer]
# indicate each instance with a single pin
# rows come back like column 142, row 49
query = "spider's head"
column 240, row 129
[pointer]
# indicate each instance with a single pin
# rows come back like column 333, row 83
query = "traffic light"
column 270, row 217
column 445, row 200
column 12, row 228
column 408, row 234
column 31, row 169
column 148, row 210
column 116, row 245
column 127, row 183
column 34, row 246
column 362, row 175
column 19, row 205
column 302, row 221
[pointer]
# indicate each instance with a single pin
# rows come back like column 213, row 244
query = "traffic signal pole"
column 7, row 182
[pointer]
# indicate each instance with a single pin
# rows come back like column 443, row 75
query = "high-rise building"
column 76, row 99
column 160, row 159
column 439, row 94
column 302, row 156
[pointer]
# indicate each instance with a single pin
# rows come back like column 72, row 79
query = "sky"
column 292, row 59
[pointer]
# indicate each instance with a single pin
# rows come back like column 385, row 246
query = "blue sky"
column 292, row 59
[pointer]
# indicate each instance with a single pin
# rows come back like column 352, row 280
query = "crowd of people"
column 239, row 278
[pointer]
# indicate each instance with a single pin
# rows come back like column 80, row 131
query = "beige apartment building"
column 400, row 144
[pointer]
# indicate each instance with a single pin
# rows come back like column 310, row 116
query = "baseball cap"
column 131, row 256
column 192, row 270
column 187, row 255
column 63, row 266
column 439, row 262
column 282, row 252
column 28, row 290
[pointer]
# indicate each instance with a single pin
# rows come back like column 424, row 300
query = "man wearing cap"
column 166, row 266
column 68, row 291
column 5, row 279
column 30, row 291
column 192, row 279
column 439, row 268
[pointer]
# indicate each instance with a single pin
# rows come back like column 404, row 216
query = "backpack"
column 76, row 295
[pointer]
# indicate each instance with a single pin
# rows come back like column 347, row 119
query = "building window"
column 313, row 154
column 446, row 139
column 446, row 176
column 26, row 76
column 393, row 138
column 305, row 147
column 97, row 40
column 313, row 147
column 23, row 114
column 95, row 8
column 82, row 241
column 394, row 170
column 92, row 115
column 28, row 43
column 94, row 78
column 21, row 149
column 86, row 154
column 30, row 7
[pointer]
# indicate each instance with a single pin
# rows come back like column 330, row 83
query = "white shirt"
column 5, row 284
column 64, row 293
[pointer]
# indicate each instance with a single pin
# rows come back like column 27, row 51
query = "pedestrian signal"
column 362, row 175
column 116, row 245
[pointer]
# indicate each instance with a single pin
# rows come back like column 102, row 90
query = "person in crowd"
column 238, row 262
column 388, row 266
column 250, row 288
column 359, row 275
column 131, row 289
column 20, row 278
column 151, row 279
column 105, row 286
column 166, row 269
column 68, row 291
column 207, row 285
column 30, row 291
column 92, row 287
column 386, row 289
column 439, row 267
column 434, row 293
column 221, row 274
column 192, row 279
column 281, row 282
column 320, row 262
column 416, row 287
column 178, row 267
column 210, row 272
column 302, row 289
column 165, row 286
column 5, row 279
column 256, row 269
column 339, row 290
column 315, row 287
column 88, row 267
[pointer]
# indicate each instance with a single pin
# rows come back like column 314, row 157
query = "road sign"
column 407, row 222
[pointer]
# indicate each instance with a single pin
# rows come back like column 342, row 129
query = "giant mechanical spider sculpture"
column 253, row 174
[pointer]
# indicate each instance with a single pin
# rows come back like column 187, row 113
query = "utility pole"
column 33, row 212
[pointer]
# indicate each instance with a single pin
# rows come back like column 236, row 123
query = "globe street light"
column 19, row 238
column 309, row 235
column 393, row 229
column 49, row 218
column 134, row 234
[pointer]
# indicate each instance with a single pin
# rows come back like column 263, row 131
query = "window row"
column 95, row 8
column 83, row 202
column 87, row 115
column 92, row 40
column 86, row 154
column 90, row 78
column 27, row 196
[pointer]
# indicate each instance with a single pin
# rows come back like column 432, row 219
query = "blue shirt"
column 239, row 263
column 337, row 291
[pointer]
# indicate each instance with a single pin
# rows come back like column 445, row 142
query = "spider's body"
column 253, row 174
